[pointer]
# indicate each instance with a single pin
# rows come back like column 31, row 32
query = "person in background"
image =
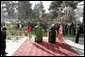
column 79, row 28
column 29, row 29
column 3, row 41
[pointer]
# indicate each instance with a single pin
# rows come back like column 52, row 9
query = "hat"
column 53, row 24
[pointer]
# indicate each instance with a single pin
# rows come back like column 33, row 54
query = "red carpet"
column 44, row 49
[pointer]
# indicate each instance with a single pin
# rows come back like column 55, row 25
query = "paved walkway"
column 21, row 47
column 13, row 45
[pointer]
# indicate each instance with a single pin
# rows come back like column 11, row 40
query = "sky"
column 45, row 4
column 80, row 4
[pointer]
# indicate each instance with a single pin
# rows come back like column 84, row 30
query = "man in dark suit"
column 3, row 42
column 78, row 33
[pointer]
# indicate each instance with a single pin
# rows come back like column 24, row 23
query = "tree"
column 24, row 10
column 71, row 5
column 54, row 8
column 54, row 14
column 54, row 5
column 63, row 4
column 38, row 9
column 9, row 7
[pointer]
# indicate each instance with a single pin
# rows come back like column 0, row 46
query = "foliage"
column 38, row 10
column 9, row 7
column 24, row 10
column 55, row 5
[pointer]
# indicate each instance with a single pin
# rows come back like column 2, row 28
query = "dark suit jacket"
column 3, row 36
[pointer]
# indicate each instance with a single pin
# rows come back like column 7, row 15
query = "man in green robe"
column 38, row 33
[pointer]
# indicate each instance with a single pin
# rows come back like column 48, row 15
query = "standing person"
column 29, row 29
column 25, row 30
column 78, row 33
column 52, row 34
column 38, row 33
column 20, row 28
column 60, row 35
column 74, row 29
column 57, row 27
column 71, row 27
column 3, row 42
column 17, row 25
column 17, row 28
